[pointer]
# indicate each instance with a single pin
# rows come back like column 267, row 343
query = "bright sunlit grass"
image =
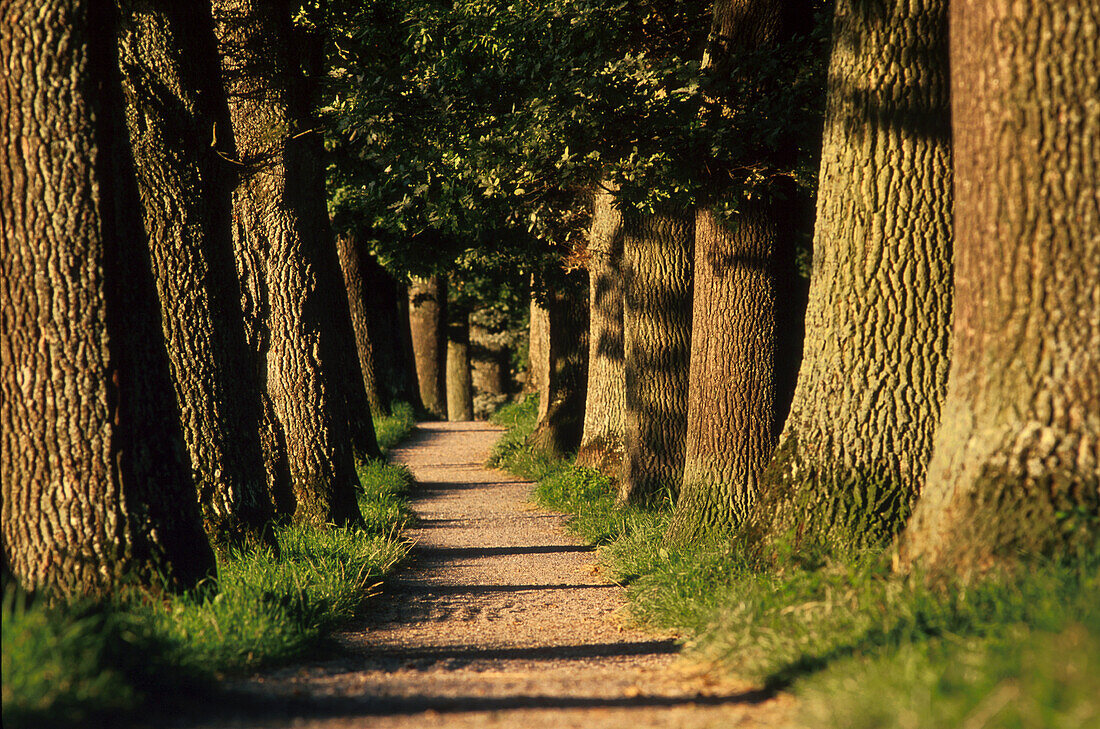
column 862, row 646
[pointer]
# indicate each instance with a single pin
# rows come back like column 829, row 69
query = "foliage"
column 468, row 134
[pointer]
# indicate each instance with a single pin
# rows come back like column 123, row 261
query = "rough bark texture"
column 169, row 80
column 1016, row 469
column 559, row 427
column 427, row 317
column 460, row 392
column 286, row 261
column 657, row 273
column 488, row 363
column 97, row 490
column 732, row 416
column 853, row 452
column 605, row 403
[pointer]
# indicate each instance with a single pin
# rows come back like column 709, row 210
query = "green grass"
column 393, row 428
column 75, row 664
column 862, row 646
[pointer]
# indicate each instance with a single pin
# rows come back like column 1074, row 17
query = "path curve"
column 500, row 620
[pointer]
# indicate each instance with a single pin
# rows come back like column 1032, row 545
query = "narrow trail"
column 500, row 620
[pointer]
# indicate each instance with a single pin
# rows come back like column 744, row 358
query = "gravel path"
column 501, row 620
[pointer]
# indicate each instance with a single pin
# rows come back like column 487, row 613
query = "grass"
column 84, row 663
column 393, row 428
column 862, row 646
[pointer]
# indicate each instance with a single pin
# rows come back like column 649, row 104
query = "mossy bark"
column 558, row 431
column 853, row 452
column 427, row 321
column 97, row 488
column 657, row 293
column 605, row 403
column 1016, row 467
column 172, row 100
column 287, row 262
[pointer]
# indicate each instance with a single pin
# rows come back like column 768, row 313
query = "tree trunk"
column 853, row 452
column 657, row 274
column 733, row 392
column 427, row 314
column 460, row 394
column 353, row 255
column 387, row 316
column 170, row 47
column 288, row 262
column 489, row 373
column 558, row 432
column 605, row 402
column 97, row 490
column 405, row 352
column 731, row 417
column 1016, row 465
column 538, row 351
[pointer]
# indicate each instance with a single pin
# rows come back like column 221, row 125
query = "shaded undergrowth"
column 861, row 645
column 87, row 663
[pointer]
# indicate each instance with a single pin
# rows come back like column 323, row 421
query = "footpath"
column 500, row 619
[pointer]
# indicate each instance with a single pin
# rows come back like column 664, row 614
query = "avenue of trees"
column 819, row 273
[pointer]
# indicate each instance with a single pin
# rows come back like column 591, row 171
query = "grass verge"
column 863, row 647
column 86, row 664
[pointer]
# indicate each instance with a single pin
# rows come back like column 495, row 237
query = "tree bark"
column 406, row 354
column 427, row 315
column 732, row 416
column 97, row 489
column 288, row 263
column 488, row 368
column 605, row 402
column 558, row 431
column 657, row 293
column 1016, row 465
column 538, row 352
column 353, row 264
column 853, row 452
column 167, row 56
column 460, row 394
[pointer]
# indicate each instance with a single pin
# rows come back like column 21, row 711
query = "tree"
column 561, row 393
column 605, row 401
column 762, row 81
column 169, row 80
column 657, row 273
column 287, row 262
column 460, row 393
column 853, row 451
column 1016, row 465
column 491, row 374
column 97, row 489
column 427, row 317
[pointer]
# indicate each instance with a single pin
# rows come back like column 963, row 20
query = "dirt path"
column 501, row 620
